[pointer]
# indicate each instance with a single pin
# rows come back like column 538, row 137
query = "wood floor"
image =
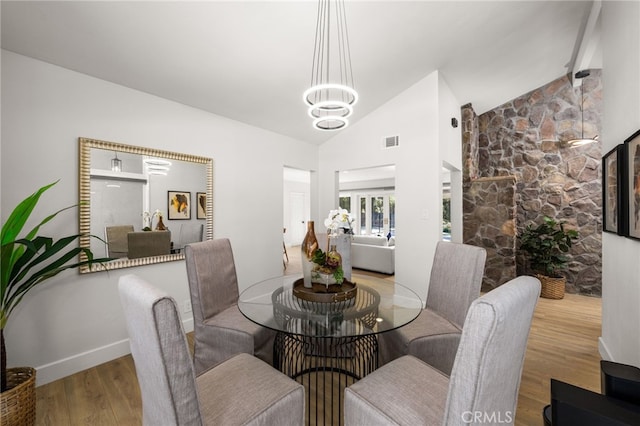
column 563, row 344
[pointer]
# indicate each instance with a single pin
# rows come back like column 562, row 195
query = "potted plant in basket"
column 545, row 245
column 25, row 263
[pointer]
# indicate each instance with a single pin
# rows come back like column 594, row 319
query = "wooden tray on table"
column 323, row 293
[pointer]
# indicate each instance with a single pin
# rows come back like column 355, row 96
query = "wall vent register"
column 391, row 141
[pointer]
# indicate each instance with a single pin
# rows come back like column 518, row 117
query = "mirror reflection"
column 145, row 204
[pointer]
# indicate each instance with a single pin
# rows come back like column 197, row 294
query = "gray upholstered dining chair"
column 148, row 243
column 220, row 329
column 455, row 281
column 241, row 390
column 484, row 381
column 116, row 238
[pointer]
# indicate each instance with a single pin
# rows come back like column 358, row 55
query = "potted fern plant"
column 27, row 262
column 545, row 245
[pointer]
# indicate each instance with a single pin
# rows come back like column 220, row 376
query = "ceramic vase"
column 309, row 245
column 342, row 242
column 160, row 226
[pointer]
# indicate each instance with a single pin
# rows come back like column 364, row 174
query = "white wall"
column 620, row 339
column 75, row 321
column 414, row 116
column 451, row 152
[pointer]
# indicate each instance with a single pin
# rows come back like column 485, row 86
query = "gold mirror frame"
column 85, row 145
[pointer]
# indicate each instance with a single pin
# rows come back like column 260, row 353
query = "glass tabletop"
column 379, row 305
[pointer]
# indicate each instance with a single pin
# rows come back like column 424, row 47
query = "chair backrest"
column 456, row 278
column 161, row 354
column 116, row 237
column 211, row 272
column 149, row 243
column 488, row 367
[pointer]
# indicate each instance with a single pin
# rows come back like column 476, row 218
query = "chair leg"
column 284, row 263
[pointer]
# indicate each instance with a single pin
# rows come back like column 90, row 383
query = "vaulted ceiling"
column 251, row 61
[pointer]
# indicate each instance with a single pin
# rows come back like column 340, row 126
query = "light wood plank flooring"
column 563, row 344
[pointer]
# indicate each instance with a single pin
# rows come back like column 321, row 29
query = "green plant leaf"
column 20, row 215
column 319, row 257
column 28, row 261
column 544, row 243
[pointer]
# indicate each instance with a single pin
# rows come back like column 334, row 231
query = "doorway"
column 296, row 209
column 369, row 195
column 451, row 181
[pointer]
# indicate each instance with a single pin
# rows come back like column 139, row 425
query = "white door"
column 298, row 226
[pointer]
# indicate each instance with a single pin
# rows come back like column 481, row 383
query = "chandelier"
column 331, row 96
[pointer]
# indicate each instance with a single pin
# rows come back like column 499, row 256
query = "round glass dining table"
column 326, row 340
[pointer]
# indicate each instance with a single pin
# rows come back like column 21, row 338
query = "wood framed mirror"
column 126, row 191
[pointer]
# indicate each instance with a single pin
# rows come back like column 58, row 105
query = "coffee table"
column 328, row 345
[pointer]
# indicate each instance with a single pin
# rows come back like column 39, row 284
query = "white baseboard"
column 67, row 366
column 604, row 351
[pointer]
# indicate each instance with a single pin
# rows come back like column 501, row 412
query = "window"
column 446, row 216
column 345, row 203
column 377, row 215
column 392, row 215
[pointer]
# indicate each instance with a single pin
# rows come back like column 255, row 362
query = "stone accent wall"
column 470, row 151
column 525, row 138
column 489, row 221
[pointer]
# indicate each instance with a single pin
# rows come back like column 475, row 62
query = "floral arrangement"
column 339, row 219
column 329, row 263
column 147, row 219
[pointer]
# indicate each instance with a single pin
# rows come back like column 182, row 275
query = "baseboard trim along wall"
column 67, row 366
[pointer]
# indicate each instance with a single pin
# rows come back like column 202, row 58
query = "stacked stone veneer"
column 489, row 222
column 524, row 141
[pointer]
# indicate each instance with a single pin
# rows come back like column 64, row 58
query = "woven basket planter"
column 552, row 288
column 18, row 404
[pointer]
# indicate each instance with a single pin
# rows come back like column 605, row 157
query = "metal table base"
column 325, row 366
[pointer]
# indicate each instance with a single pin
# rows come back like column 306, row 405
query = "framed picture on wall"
column 201, row 205
column 613, row 213
column 632, row 165
column 179, row 205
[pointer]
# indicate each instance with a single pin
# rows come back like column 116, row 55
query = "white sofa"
column 373, row 253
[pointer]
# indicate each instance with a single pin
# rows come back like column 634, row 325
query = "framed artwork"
column 201, row 205
column 613, row 213
column 632, row 165
column 179, row 205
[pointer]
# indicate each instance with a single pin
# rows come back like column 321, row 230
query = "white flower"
column 147, row 217
column 339, row 218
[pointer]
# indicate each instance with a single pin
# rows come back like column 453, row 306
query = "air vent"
column 391, row 141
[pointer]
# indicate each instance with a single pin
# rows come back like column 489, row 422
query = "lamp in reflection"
column 116, row 164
